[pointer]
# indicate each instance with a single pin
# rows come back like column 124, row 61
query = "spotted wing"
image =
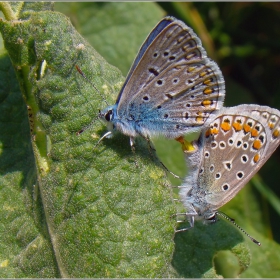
column 235, row 146
column 160, row 26
column 174, row 85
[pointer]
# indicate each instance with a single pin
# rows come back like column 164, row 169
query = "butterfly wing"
column 173, row 85
column 160, row 26
column 237, row 144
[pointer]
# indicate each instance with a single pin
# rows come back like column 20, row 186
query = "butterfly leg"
column 179, row 214
column 191, row 222
column 132, row 145
column 176, row 199
column 106, row 135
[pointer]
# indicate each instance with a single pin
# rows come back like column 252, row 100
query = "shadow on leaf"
column 196, row 248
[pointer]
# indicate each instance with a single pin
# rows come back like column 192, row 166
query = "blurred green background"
column 244, row 39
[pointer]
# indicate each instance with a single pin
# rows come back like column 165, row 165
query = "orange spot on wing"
column 276, row 133
column 271, row 125
column 199, row 118
column 257, row 144
column 211, row 131
column 215, row 130
column 208, row 91
column 202, row 74
column 237, row 125
column 190, row 69
column 225, row 125
column 207, row 103
column 247, row 128
column 207, row 82
column 254, row 133
column 256, row 158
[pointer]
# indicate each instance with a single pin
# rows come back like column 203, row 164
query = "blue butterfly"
column 172, row 88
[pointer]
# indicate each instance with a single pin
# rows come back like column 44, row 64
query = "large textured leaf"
column 25, row 246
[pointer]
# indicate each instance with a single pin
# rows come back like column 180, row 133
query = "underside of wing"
column 174, row 81
column 160, row 26
column 236, row 145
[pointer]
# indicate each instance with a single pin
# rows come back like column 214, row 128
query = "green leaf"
column 196, row 249
column 115, row 30
column 267, row 193
column 90, row 210
column 265, row 260
column 25, row 250
column 245, row 209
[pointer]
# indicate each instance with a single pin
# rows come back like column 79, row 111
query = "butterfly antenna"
column 241, row 229
column 85, row 77
column 86, row 127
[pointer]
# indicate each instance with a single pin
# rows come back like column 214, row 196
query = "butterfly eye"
column 108, row 115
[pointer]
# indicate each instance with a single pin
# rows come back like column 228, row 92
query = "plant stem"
column 6, row 8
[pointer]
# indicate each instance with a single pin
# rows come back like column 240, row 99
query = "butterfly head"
column 107, row 116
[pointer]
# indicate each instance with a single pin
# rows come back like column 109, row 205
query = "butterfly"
column 172, row 88
column 228, row 153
